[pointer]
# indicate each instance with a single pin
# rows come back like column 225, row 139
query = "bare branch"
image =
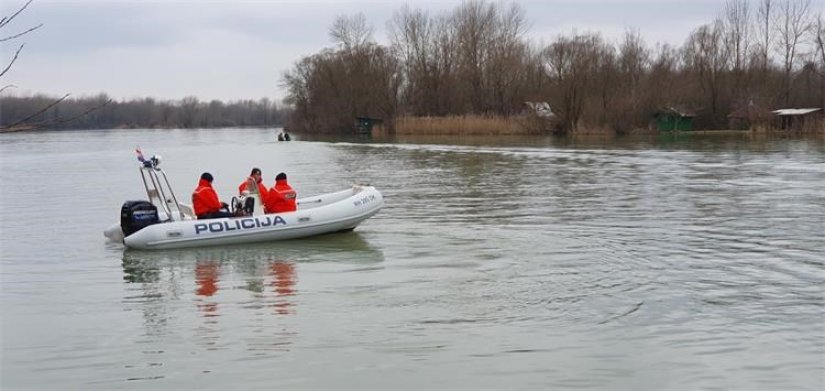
column 9, row 38
column 8, row 19
column 7, row 87
column 41, row 111
column 17, row 53
column 60, row 121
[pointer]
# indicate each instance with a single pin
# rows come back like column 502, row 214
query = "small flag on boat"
column 139, row 155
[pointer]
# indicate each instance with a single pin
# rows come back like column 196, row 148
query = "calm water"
column 532, row 264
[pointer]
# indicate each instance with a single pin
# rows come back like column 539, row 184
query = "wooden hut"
column 798, row 119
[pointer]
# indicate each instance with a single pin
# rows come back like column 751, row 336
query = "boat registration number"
column 364, row 200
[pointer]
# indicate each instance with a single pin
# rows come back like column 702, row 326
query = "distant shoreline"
column 532, row 125
column 36, row 129
column 472, row 126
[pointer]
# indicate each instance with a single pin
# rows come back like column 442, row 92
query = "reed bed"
column 477, row 125
column 467, row 125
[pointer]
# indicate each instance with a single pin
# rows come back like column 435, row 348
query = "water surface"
column 509, row 263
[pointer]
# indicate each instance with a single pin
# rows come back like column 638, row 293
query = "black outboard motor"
column 136, row 215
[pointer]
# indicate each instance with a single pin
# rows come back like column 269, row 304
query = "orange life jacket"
column 205, row 199
column 281, row 198
column 261, row 187
column 262, row 192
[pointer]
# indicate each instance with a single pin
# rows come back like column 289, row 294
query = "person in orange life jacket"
column 256, row 176
column 205, row 200
column 281, row 197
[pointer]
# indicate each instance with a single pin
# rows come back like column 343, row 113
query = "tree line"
column 477, row 60
column 101, row 112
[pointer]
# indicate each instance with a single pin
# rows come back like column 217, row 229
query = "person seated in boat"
column 281, row 197
column 205, row 200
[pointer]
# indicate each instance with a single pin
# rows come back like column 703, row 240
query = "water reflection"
column 283, row 283
column 206, row 276
column 250, row 283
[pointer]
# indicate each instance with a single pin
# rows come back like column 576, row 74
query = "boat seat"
column 187, row 210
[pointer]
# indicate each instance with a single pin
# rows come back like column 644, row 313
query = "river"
column 511, row 263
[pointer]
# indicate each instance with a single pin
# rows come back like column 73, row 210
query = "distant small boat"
column 164, row 223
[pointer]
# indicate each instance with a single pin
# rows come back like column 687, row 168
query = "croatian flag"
column 139, row 155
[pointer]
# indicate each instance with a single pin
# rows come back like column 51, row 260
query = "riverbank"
column 476, row 125
column 466, row 125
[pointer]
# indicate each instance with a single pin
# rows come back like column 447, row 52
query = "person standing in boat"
column 256, row 177
column 205, row 200
column 281, row 197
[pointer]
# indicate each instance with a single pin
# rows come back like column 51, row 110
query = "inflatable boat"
column 163, row 222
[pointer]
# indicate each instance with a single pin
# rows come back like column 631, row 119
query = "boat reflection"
column 227, row 285
column 206, row 276
column 342, row 248
column 283, row 282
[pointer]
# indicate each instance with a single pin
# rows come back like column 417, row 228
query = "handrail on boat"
column 159, row 191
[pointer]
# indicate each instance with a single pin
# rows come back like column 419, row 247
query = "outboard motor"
column 136, row 215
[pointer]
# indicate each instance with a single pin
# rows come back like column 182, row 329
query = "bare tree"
column 764, row 18
column 793, row 23
column 660, row 86
column 411, row 34
column 819, row 42
column 445, row 67
column 351, row 31
column 736, row 25
column 4, row 21
column 474, row 22
column 35, row 119
column 819, row 54
column 570, row 64
column 505, row 61
column 330, row 89
column 634, row 59
column 707, row 59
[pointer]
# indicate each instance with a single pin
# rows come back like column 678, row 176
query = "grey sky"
column 225, row 49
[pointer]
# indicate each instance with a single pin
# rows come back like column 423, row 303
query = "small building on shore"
column 673, row 119
column 365, row 125
column 539, row 109
column 799, row 119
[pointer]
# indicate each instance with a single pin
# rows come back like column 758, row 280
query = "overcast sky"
column 238, row 49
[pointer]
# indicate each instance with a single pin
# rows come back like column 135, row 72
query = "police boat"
column 163, row 222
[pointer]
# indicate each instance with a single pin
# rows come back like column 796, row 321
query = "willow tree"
column 356, row 78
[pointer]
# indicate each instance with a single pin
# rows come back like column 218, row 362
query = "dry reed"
column 468, row 125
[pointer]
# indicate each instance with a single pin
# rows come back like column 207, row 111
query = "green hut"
column 671, row 119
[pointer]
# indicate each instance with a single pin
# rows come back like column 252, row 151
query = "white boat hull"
column 327, row 213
